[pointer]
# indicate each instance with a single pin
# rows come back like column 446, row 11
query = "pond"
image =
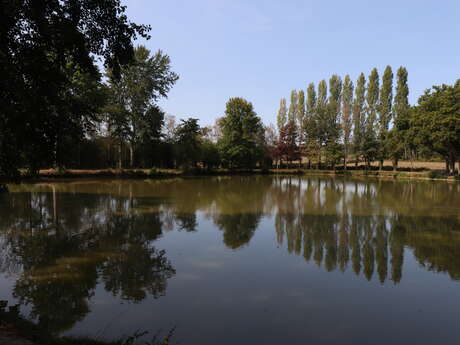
column 237, row 260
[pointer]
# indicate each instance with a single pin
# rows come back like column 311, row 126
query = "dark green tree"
column 310, row 124
column 242, row 141
column 347, row 121
column 188, row 143
column 359, row 117
column 370, row 144
column 397, row 142
column 334, row 151
column 436, row 122
column 39, row 40
column 385, row 112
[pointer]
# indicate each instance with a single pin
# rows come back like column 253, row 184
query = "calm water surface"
column 237, row 260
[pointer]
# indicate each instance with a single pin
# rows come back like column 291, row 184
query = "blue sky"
column 262, row 49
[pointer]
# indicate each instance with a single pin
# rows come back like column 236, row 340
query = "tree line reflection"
column 61, row 240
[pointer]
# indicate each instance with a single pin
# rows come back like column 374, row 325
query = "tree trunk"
column 345, row 160
column 120, row 155
column 411, row 154
column 452, row 165
column 395, row 164
column 381, row 165
column 447, row 167
column 131, row 156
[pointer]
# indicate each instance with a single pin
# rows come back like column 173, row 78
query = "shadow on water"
column 62, row 240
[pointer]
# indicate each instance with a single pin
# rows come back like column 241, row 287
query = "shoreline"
column 72, row 174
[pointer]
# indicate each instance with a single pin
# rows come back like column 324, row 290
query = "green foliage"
column 133, row 115
column 242, row 142
column 333, row 128
column 187, row 146
column 359, row 119
column 370, row 143
column 45, row 45
column 210, row 155
column 282, row 114
column 436, row 122
column 293, row 107
column 347, row 121
column 385, row 108
column 310, row 128
column 300, row 108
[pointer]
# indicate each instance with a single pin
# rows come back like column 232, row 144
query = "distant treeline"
column 59, row 110
column 368, row 123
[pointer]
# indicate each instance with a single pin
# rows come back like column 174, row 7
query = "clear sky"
column 262, row 49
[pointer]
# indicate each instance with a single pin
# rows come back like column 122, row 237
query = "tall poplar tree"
column 301, row 114
column 372, row 98
column 309, row 126
column 347, row 99
column 359, row 116
column 321, row 118
column 281, row 119
column 397, row 141
column 333, row 129
column 385, row 112
column 292, row 113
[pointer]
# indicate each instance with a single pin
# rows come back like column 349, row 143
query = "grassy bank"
column 421, row 171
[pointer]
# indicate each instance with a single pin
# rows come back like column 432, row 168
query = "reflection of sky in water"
column 264, row 291
column 265, row 295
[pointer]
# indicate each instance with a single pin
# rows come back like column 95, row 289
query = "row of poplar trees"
column 339, row 119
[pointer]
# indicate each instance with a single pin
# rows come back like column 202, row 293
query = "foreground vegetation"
column 15, row 328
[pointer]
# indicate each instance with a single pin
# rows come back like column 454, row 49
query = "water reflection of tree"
column 366, row 226
column 62, row 239
column 63, row 252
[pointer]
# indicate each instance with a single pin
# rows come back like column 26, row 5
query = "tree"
column 321, row 118
column 242, row 141
column 333, row 130
column 370, row 145
column 397, row 141
column 347, row 99
column 287, row 146
column 141, row 84
column 385, row 109
column 359, row 116
column 293, row 107
column 39, row 40
column 437, row 122
column 210, row 154
column 271, row 143
column 282, row 114
column 188, row 142
column 300, row 116
column 310, row 125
